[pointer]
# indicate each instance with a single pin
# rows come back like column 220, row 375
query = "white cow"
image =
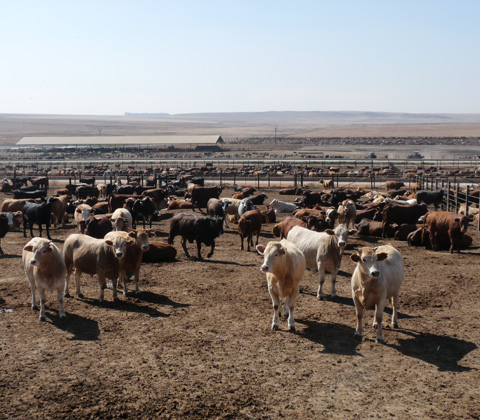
column 322, row 250
column 45, row 269
column 230, row 205
column 282, row 207
column 400, row 202
column 245, row 205
column 347, row 212
column 121, row 220
column 376, row 278
column 284, row 265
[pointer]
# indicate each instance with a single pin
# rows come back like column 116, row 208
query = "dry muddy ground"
column 196, row 343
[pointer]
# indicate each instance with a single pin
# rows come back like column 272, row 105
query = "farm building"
column 121, row 141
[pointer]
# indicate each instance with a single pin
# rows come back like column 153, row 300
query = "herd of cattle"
column 313, row 234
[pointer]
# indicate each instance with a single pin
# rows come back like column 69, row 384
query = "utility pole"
column 276, row 135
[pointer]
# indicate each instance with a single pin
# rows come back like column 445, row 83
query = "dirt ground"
column 197, row 343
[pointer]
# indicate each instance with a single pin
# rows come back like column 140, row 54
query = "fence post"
column 478, row 214
column 268, row 179
column 221, row 173
column 448, row 195
column 295, row 180
column 258, row 180
column 234, row 176
column 456, row 198
column 301, row 179
column 466, row 200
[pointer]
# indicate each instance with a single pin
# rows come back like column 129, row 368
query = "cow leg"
column 33, row 289
column 199, row 248
column 211, row 250
column 48, row 231
column 1, row 250
column 290, row 305
column 241, row 238
column 184, row 245
column 137, row 279
column 61, row 309
column 333, row 275
column 102, row 282
column 31, row 231
column 359, row 310
column 273, row 290
column 395, row 311
column 25, row 222
column 43, row 300
column 379, row 308
column 67, row 280
column 321, row 280
column 78, row 273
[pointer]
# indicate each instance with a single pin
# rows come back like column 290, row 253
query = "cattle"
column 82, row 212
column 215, row 208
column 327, row 184
column 101, row 207
column 93, row 256
column 249, row 224
column 284, row 265
column 311, row 198
column 370, row 214
column 402, row 214
column 377, row 278
column 368, row 227
column 143, row 209
column 406, row 202
column 34, row 213
column 195, row 228
column 472, row 210
column 259, row 199
column 84, row 191
column 337, row 197
column 45, row 270
column 268, row 215
column 444, row 223
column 29, row 194
column 59, row 207
column 431, row 197
column 159, row 252
column 244, row 206
column 291, row 191
column 393, row 185
column 282, row 207
column 322, row 252
column 347, row 213
column 421, row 237
column 14, row 220
column 102, row 190
column 246, row 192
column 61, row 191
column 39, row 182
column 125, row 189
column 88, row 181
column 3, row 229
column 402, row 231
column 230, row 206
column 132, row 259
column 158, row 195
column 173, row 204
column 121, row 220
column 201, row 195
column 116, row 201
column 12, row 205
column 98, row 227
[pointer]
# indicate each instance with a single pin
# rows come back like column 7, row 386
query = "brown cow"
column 269, row 215
column 443, row 223
column 249, row 224
column 12, row 204
column 159, row 197
column 132, row 259
column 400, row 214
column 116, row 201
column 394, row 185
column 59, row 207
column 159, row 252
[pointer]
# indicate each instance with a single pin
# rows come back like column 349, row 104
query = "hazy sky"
column 111, row 56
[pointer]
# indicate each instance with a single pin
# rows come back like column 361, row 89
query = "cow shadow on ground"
column 83, row 329
column 335, row 338
column 9, row 256
column 441, row 351
column 225, row 263
column 126, row 306
column 151, row 297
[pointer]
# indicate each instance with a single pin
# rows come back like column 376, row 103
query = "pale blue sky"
column 109, row 57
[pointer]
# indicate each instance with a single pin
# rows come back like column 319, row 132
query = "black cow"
column 337, row 197
column 39, row 214
column 3, row 229
column 88, row 181
column 431, row 197
column 312, row 198
column 195, row 228
column 29, row 194
column 125, row 189
column 29, row 188
column 98, row 227
column 201, row 195
column 145, row 209
column 85, row 191
column 258, row 199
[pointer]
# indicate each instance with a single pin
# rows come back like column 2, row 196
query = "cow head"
column 341, row 232
column 141, row 236
column 366, row 259
column 272, row 254
column 119, row 245
column 39, row 248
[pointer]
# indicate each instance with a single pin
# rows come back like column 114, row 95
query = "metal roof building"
column 121, row 140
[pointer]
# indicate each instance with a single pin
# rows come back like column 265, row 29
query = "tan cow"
column 45, row 269
column 376, row 278
column 59, row 207
column 347, row 212
column 394, row 185
column 121, row 220
column 82, row 212
column 284, row 265
column 94, row 256
column 132, row 260
column 14, row 204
